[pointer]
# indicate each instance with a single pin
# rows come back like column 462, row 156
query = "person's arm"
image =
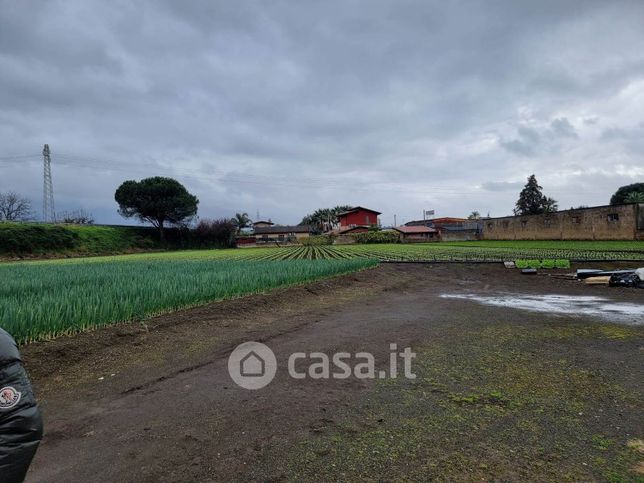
column 20, row 421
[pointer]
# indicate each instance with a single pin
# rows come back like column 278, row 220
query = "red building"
column 358, row 217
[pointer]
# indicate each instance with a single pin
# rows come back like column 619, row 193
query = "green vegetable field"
column 43, row 299
column 451, row 251
column 39, row 301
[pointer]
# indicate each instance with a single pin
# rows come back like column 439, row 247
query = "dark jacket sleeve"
column 20, row 421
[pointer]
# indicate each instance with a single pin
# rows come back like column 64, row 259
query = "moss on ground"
column 501, row 402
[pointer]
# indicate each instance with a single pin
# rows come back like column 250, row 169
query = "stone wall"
column 460, row 235
column 620, row 222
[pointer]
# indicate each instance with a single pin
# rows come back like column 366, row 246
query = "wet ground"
column 518, row 378
column 582, row 306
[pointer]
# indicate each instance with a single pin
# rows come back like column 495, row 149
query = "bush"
column 377, row 237
column 78, row 217
column 144, row 243
column 215, row 233
column 29, row 238
column 49, row 239
column 318, row 240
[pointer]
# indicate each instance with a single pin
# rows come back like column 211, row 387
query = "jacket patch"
column 9, row 397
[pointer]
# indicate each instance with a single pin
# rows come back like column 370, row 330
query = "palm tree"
column 324, row 218
column 635, row 197
column 549, row 205
column 241, row 220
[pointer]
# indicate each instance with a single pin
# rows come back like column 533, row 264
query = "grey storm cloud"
column 531, row 141
column 562, row 128
column 503, row 185
column 286, row 106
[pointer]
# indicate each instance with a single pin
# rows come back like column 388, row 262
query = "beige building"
column 614, row 222
column 282, row 234
column 417, row 234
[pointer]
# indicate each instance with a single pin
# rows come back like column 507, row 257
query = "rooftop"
column 415, row 229
column 266, row 230
column 358, row 208
column 446, row 219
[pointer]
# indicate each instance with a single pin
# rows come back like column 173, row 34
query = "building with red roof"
column 357, row 217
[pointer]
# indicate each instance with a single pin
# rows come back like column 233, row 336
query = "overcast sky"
column 288, row 106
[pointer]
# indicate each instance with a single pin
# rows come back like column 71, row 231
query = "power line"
column 19, row 156
column 78, row 161
column 319, row 183
column 254, row 179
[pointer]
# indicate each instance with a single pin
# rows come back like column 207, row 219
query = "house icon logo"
column 252, row 365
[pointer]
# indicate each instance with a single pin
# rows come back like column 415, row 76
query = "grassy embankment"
column 49, row 240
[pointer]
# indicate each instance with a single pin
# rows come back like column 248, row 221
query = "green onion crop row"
column 40, row 301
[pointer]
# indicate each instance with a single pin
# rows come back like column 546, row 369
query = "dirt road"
column 500, row 393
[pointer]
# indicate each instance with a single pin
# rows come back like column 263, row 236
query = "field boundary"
column 480, row 262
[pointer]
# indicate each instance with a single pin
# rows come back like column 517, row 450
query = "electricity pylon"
column 48, row 188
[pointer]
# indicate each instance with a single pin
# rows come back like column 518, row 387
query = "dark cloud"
column 519, row 146
column 503, row 185
column 561, row 127
column 287, row 106
column 550, row 139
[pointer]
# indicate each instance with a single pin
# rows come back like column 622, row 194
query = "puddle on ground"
column 601, row 307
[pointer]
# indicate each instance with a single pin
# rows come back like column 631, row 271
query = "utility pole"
column 48, row 188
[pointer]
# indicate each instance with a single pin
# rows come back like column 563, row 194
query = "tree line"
column 163, row 201
column 532, row 201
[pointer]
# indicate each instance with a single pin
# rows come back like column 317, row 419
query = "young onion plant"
column 41, row 301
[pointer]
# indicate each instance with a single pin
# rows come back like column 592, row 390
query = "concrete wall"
column 460, row 235
column 600, row 223
column 419, row 237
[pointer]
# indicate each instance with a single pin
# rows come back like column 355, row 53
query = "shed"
column 411, row 234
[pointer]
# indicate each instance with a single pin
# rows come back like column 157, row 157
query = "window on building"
column 613, row 217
